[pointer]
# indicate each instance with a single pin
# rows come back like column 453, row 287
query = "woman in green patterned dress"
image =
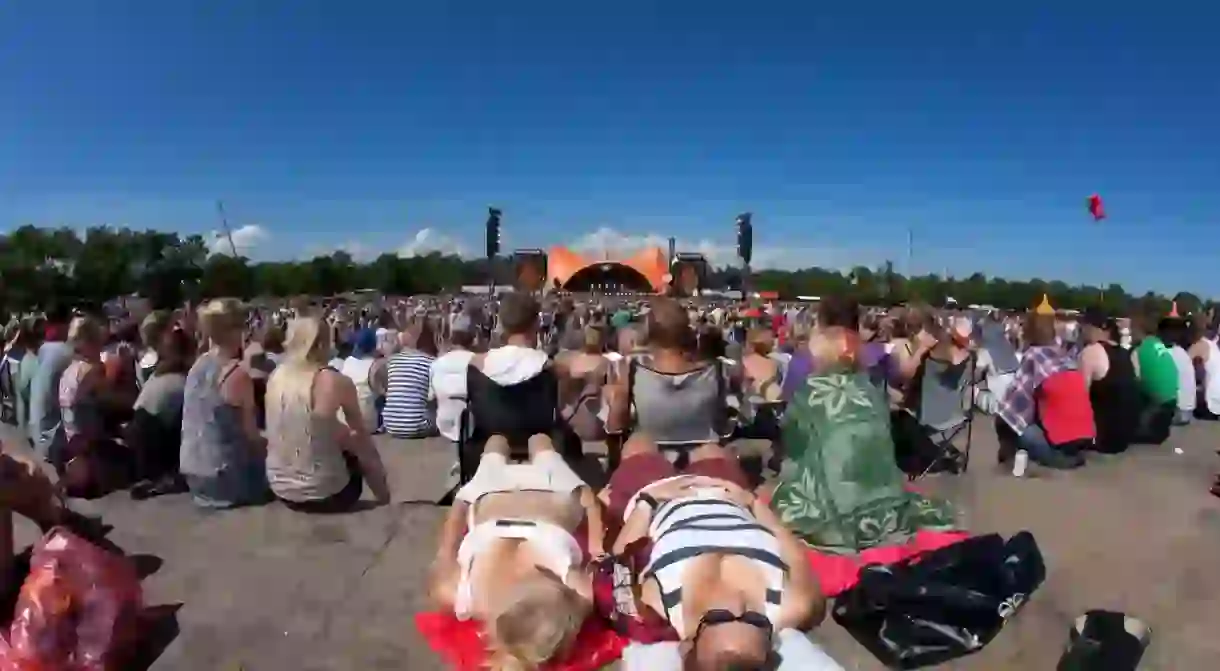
column 839, row 488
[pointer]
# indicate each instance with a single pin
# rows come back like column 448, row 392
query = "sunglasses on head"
column 717, row 616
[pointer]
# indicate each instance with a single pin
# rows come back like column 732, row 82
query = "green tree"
column 42, row 266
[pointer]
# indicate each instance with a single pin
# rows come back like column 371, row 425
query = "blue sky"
column 385, row 125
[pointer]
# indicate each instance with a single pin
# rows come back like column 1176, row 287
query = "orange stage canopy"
column 563, row 263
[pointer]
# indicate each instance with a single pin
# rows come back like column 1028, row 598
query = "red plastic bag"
column 79, row 608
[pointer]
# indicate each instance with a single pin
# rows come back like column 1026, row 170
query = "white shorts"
column 547, row 472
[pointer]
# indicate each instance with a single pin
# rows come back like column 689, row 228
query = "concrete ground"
column 268, row 589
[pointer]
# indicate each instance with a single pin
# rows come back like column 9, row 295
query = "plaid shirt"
column 1039, row 363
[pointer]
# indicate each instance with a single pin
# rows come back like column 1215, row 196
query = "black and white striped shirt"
column 407, row 413
column 687, row 528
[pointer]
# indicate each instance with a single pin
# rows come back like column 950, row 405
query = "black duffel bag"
column 943, row 604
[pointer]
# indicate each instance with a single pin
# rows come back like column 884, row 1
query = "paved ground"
column 266, row 589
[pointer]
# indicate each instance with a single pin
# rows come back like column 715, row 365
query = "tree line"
column 48, row 267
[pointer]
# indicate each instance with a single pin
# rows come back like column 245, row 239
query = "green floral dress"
column 840, row 489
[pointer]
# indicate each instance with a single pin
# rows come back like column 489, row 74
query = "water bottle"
column 1020, row 463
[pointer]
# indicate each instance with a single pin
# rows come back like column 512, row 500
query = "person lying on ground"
column 722, row 568
column 508, row 556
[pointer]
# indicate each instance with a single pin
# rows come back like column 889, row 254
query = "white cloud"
column 607, row 242
column 245, row 239
column 427, row 241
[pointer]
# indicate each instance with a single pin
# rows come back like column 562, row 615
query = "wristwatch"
column 648, row 500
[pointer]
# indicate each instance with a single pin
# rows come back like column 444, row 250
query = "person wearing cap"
column 1113, row 388
column 358, row 367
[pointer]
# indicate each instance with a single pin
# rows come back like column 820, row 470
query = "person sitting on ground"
column 508, row 556
column 582, row 370
column 448, row 377
column 760, row 371
column 21, row 365
column 409, row 410
column 834, row 312
column 840, row 489
column 154, row 435
column 54, row 357
column 1173, row 332
column 670, row 394
column 119, row 361
column 223, row 456
column 1019, row 407
column 91, row 462
column 154, row 325
column 1158, row 376
column 720, row 566
column 1206, row 356
column 319, row 450
column 359, row 368
column 1114, row 391
column 260, row 357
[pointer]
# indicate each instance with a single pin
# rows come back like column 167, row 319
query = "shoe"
column 1061, row 462
column 1104, row 640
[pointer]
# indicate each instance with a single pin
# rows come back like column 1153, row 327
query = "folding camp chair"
column 940, row 410
column 510, row 411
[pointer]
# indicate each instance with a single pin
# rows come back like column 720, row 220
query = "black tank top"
column 1116, row 402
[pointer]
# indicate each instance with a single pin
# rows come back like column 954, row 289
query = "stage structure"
column 648, row 271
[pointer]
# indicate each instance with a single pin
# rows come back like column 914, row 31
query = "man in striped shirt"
column 409, row 405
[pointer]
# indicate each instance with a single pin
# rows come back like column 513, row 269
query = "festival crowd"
column 707, row 561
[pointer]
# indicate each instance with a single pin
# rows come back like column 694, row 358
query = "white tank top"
column 358, row 370
column 1211, row 368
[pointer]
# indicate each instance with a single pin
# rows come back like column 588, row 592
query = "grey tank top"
column 304, row 459
column 679, row 408
column 212, row 436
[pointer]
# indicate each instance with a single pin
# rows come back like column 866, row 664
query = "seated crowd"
column 195, row 403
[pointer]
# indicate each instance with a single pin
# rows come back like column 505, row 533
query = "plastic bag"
column 78, row 610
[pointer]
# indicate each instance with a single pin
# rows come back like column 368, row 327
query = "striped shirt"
column 407, row 413
column 684, row 529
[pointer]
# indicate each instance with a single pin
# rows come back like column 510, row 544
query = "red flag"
column 1097, row 208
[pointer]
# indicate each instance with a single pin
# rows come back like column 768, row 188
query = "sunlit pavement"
column 265, row 589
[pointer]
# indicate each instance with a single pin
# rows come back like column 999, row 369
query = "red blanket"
column 459, row 643
column 839, row 573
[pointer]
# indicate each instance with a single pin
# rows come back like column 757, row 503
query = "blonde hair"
column 306, row 351
column 539, row 621
column 221, row 317
column 84, row 331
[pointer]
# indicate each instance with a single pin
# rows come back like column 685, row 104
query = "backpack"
column 943, row 604
column 8, row 392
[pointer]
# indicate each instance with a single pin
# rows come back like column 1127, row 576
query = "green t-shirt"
column 620, row 319
column 1158, row 373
